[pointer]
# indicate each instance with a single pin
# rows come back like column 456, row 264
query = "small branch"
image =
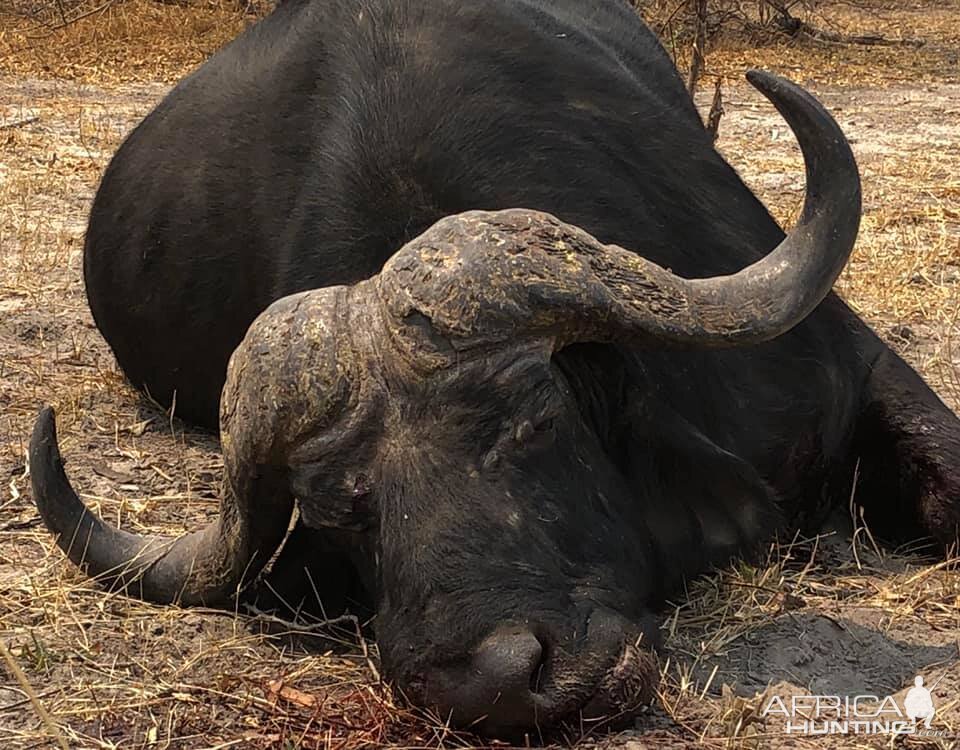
column 53, row 28
column 63, row 13
column 832, row 37
column 298, row 627
column 669, row 19
column 27, row 688
column 699, row 44
column 366, row 653
column 19, row 123
column 716, row 111
column 793, row 26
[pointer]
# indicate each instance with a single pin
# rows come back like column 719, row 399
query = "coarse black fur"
column 310, row 149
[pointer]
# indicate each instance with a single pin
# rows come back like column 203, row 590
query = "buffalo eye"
column 360, row 494
column 525, row 430
column 528, row 432
column 361, row 485
column 545, row 425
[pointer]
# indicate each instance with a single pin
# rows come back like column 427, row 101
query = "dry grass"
column 117, row 673
column 130, row 40
column 854, row 600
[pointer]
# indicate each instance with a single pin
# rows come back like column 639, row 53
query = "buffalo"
column 509, row 340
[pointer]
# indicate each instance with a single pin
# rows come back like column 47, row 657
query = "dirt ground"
column 831, row 615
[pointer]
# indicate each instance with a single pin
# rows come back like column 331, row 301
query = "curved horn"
column 274, row 391
column 483, row 277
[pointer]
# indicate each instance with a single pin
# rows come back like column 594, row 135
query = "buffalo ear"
column 704, row 506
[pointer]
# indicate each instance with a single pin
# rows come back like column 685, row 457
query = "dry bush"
column 759, row 20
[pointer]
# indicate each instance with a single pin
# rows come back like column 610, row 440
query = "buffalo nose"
column 519, row 679
column 494, row 691
column 509, row 661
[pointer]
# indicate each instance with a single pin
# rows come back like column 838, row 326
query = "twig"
column 716, row 111
column 793, row 26
column 322, row 625
column 69, row 21
column 669, row 19
column 259, row 614
column 27, row 688
column 20, row 525
column 24, row 701
column 63, row 14
column 20, row 123
column 699, row 44
column 366, row 653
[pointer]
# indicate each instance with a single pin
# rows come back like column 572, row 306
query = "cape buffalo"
column 508, row 432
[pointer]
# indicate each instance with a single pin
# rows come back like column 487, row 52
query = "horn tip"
column 52, row 493
column 764, row 80
column 44, row 432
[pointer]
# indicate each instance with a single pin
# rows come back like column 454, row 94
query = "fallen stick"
column 19, row 123
column 25, row 685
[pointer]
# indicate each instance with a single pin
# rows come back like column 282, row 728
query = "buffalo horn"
column 486, row 277
column 284, row 380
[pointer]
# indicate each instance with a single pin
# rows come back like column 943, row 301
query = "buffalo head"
column 426, row 412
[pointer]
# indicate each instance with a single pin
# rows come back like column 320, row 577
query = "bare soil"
column 821, row 616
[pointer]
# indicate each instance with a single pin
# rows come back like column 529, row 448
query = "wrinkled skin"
column 515, row 439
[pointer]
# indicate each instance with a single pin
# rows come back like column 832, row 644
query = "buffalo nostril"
column 493, row 690
column 511, row 661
